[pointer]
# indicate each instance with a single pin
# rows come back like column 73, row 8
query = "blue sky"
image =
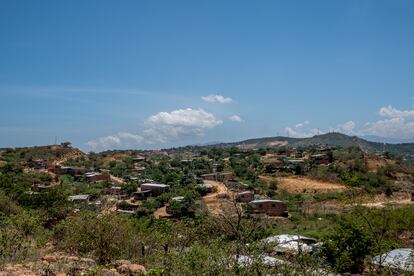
column 133, row 74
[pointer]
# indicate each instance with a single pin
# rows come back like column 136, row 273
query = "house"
column 320, row 159
column 113, row 190
column 209, row 177
column 137, row 169
column 73, row 171
column 138, row 158
column 96, row 176
column 39, row 164
column 221, row 177
column 126, row 212
column 270, row 207
column 293, row 244
column 401, row 259
column 79, row 199
column 142, row 195
column 155, row 188
column 246, row 196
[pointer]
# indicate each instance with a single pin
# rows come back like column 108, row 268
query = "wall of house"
column 270, row 208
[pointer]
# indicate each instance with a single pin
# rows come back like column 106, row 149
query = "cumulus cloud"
column 302, row 124
column 167, row 126
column 162, row 127
column 294, row 132
column 121, row 139
column 235, row 118
column 217, row 99
column 347, row 128
column 391, row 112
column 396, row 123
column 301, row 130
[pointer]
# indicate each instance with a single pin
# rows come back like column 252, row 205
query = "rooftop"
column 402, row 258
column 155, row 185
column 266, row 200
column 78, row 197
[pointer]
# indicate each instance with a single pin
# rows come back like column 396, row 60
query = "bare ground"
column 161, row 213
column 293, row 184
column 218, row 203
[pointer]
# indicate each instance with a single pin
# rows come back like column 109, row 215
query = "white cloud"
column 167, row 126
column 162, row 127
column 299, row 130
column 302, row 124
column 296, row 133
column 391, row 112
column 347, row 128
column 235, row 118
column 396, row 124
column 217, row 99
column 121, row 139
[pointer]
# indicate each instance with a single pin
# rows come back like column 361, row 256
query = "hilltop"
column 330, row 139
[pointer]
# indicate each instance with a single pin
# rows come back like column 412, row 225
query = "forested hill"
column 329, row 139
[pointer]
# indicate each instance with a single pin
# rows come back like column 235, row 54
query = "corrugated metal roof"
column 402, row 258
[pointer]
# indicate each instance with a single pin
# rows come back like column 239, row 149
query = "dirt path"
column 161, row 213
column 117, row 179
column 218, row 203
column 294, row 184
column 75, row 153
column 381, row 201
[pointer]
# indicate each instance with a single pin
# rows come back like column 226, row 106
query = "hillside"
column 329, row 139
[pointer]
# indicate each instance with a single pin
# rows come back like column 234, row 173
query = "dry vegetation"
column 295, row 184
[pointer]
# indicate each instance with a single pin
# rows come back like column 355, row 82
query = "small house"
column 221, row 177
column 138, row 158
column 40, row 164
column 142, row 195
column 155, row 188
column 320, row 159
column 96, row 176
column 270, row 207
column 113, row 190
column 79, row 199
column 137, row 169
column 397, row 260
column 209, row 177
column 246, row 196
column 73, row 171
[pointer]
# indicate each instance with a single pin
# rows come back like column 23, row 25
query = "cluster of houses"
column 289, row 162
column 270, row 207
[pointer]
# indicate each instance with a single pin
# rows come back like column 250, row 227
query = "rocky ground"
column 60, row 264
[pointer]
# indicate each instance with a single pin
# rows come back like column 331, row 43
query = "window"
column 273, row 205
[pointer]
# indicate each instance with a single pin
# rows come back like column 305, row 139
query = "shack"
column 79, row 199
column 155, row 188
column 96, row 176
column 39, row 164
column 246, row 196
column 270, row 207
column 397, row 260
column 320, row 159
column 142, row 195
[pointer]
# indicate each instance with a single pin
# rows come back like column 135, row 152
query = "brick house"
column 270, row 207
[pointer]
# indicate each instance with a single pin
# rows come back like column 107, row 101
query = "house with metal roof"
column 401, row 259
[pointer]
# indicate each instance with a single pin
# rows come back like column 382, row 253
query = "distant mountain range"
column 329, row 139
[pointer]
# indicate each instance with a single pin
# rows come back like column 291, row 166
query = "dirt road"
column 219, row 202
